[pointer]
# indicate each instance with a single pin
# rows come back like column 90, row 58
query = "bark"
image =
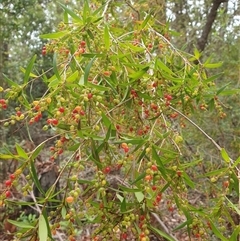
column 202, row 41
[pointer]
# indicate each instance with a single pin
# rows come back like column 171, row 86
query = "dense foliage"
column 117, row 102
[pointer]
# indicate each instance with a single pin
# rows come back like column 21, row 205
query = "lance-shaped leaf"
column 87, row 70
column 71, row 13
column 106, row 37
column 55, row 35
column 29, row 69
column 42, row 229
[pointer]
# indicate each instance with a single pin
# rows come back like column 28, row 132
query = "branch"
column 208, row 26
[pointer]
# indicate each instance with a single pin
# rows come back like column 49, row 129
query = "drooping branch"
column 202, row 41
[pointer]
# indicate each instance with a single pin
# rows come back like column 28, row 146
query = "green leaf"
column 37, row 150
column 72, row 77
column 87, row 70
column 29, row 69
column 162, row 66
column 214, row 77
column 106, row 37
column 123, row 206
column 119, row 197
column 132, row 141
column 182, row 225
column 197, row 54
column 215, row 172
column 21, row 224
column 98, row 87
column 139, row 196
column 234, row 165
column 140, row 177
column 127, row 189
column 42, row 229
column 86, row 11
column 35, row 177
column 63, row 212
column 212, row 66
column 71, row 13
column 31, row 74
column 188, row 181
column 217, row 232
column 74, row 147
column 21, row 152
column 161, row 233
column 144, row 23
column 235, row 233
column 222, row 88
column 233, row 206
column 137, row 75
column 7, row 157
column 45, row 215
column 65, row 17
column 55, row 69
column 106, row 120
column 161, row 167
column 225, row 156
column 10, row 82
column 55, row 35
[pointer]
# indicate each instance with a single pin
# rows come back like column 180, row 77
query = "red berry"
column 52, row 148
column 82, row 44
column 61, row 109
column 36, row 118
column 168, row 97
column 154, row 84
column 107, row 170
column 8, row 194
column 44, row 52
column 8, row 183
column 126, row 149
column 31, row 121
column 90, row 95
column 150, row 46
column 154, row 168
column 142, row 217
column 2, row 101
column 54, row 122
column 82, row 112
column 154, row 188
column 37, row 107
column 197, row 235
column 226, row 184
column 12, row 176
column 158, row 198
column 49, row 121
column 170, row 209
column 18, row 113
column 179, row 173
column 4, row 106
column 124, row 236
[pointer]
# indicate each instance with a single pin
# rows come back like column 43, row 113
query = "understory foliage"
column 116, row 104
